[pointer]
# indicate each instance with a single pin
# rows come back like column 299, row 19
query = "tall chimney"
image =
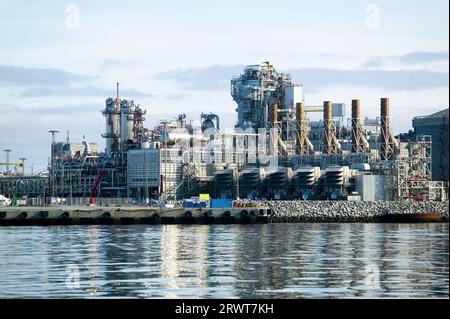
column 357, row 146
column 385, row 138
column 117, row 90
column 301, row 130
column 328, row 128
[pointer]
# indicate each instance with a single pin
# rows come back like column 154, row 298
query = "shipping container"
column 221, row 203
column 188, row 203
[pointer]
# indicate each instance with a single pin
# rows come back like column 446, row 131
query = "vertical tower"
column 328, row 129
column 7, row 151
column 112, row 116
column 301, row 128
column 127, row 110
column 357, row 146
column 273, row 116
column 386, row 147
column 256, row 89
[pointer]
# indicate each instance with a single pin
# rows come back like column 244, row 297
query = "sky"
column 60, row 60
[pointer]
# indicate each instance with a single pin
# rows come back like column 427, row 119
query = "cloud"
column 401, row 80
column 19, row 76
column 373, row 63
column 423, row 57
column 80, row 92
column 175, row 96
column 115, row 64
column 40, row 82
column 412, row 58
column 77, row 109
column 217, row 77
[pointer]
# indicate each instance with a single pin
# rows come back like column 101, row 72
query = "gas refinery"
column 275, row 151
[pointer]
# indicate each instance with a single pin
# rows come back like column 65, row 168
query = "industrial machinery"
column 276, row 151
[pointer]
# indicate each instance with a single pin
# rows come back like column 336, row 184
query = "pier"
column 94, row 215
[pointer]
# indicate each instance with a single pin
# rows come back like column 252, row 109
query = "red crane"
column 95, row 187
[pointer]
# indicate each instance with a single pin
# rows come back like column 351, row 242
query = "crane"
column 95, row 187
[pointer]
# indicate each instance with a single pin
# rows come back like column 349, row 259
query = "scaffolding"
column 412, row 173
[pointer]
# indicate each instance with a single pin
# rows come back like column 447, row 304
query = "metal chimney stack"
column 273, row 115
column 386, row 148
column 357, row 146
column 328, row 128
column 301, row 129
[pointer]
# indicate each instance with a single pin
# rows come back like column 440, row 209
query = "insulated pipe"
column 365, row 144
column 273, row 119
column 283, row 146
column 310, row 146
column 337, row 144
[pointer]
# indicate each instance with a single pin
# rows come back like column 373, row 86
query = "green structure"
column 436, row 125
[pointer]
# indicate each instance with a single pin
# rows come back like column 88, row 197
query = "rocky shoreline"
column 346, row 211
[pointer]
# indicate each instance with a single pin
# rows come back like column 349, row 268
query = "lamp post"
column 237, row 182
column 52, row 161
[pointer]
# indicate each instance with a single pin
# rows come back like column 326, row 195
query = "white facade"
column 372, row 188
column 338, row 110
column 293, row 95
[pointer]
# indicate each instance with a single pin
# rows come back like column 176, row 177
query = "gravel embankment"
column 344, row 211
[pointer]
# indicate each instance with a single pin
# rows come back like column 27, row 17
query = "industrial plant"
column 275, row 151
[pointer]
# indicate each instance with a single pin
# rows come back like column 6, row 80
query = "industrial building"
column 275, row 152
column 435, row 126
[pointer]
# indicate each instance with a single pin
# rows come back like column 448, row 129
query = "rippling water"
column 226, row 261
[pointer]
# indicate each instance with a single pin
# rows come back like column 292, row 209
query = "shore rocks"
column 346, row 211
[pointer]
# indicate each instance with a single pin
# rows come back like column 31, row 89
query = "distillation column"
column 112, row 115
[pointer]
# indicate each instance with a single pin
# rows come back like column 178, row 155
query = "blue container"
column 188, row 204
column 194, row 204
column 201, row 204
column 221, row 203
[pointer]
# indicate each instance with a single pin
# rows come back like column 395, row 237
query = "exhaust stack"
column 301, row 130
column 357, row 145
column 273, row 115
column 387, row 145
column 303, row 144
column 328, row 129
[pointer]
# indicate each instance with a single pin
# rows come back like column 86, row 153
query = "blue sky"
column 178, row 56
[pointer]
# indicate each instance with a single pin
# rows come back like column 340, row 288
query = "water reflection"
column 223, row 261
